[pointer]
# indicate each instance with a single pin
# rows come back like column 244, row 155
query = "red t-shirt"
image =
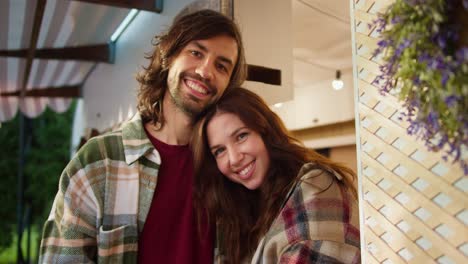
column 170, row 234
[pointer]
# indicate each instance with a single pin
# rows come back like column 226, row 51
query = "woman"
column 273, row 200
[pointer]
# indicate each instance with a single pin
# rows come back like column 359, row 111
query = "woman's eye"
column 218, row 152
column 242, row 135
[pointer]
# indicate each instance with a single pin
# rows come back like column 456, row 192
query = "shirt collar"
column 136, row 143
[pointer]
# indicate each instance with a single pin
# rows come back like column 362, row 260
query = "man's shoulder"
column 114, row 140
column 108, row 145
column 127, row 142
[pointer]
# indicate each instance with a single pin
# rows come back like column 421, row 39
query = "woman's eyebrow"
column 233, row 133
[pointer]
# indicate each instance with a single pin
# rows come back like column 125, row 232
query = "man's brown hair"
column 199, row 25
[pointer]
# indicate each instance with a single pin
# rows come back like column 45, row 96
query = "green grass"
column 9, row 254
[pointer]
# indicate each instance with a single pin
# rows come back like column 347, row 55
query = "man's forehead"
column 224, row 45
column 217, row 38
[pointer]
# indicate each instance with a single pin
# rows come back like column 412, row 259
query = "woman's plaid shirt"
column 318, row 224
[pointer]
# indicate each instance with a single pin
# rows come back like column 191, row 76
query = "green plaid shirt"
column 104, row 196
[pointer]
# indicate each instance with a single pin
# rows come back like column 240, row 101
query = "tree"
column 47, row 154
column 8, row 169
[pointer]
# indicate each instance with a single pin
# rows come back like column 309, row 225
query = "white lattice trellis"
column 414, row 203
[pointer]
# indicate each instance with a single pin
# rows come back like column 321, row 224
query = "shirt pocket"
column 116, row 244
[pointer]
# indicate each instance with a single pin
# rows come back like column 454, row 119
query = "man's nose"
column 205, row 69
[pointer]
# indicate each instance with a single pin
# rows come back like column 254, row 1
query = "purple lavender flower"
column 383, row 43
column 380, row 24
column 451, row 100
column 433, row 120
column 413, row 128
column 456, row 149
column 405, row 44
column 448, row 33
column 434, row 49
column 441, row 41
column 412, row 105
column 442, row 142
column 445, row 158
column 462, row 54
column 437, row 63
column 396, row 20
column 445, row 77
column 417, row 81
column 424, row 57
column 377, row 80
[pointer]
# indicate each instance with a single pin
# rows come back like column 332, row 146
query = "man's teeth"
column 246, row 170
column 195, row 86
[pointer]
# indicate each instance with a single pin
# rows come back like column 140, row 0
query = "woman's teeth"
column 246, row 169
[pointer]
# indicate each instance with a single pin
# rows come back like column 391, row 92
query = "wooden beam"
column 66, row 91
column 148, row 5
column 40, row 7
column 264, row 74
column 97, row 53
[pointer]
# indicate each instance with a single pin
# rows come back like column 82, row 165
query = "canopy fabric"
column 63, row 24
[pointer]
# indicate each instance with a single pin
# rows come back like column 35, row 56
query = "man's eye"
column 221, row 67
column 196, row 53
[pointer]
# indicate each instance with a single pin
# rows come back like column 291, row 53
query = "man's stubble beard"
column 189, row 105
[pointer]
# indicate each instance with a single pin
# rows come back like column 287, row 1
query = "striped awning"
column 47, row 49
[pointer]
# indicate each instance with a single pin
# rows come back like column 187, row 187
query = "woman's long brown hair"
column 244, row 216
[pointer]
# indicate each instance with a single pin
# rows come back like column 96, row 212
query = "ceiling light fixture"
column 338, row 84
column 129, row 18
column 278, row 105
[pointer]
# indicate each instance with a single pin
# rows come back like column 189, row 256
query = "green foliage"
column 425, row 62
column 8, row 170
column 47, row 154
column 9, row 254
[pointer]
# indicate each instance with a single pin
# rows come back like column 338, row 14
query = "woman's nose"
column 235, row 157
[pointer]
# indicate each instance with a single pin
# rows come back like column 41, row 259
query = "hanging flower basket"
column 424, row 47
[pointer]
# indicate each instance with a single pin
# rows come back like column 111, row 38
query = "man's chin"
column 193, row 110
column 197, row 106
column 198, row 111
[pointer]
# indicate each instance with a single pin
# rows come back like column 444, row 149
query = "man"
column 126, row 197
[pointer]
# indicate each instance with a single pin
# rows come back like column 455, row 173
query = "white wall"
column 266, row 28
column 110, row 92
column 78, row 127
column 318, row 104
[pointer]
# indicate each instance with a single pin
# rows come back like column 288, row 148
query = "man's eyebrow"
column 200, row 46
column 205, row 49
